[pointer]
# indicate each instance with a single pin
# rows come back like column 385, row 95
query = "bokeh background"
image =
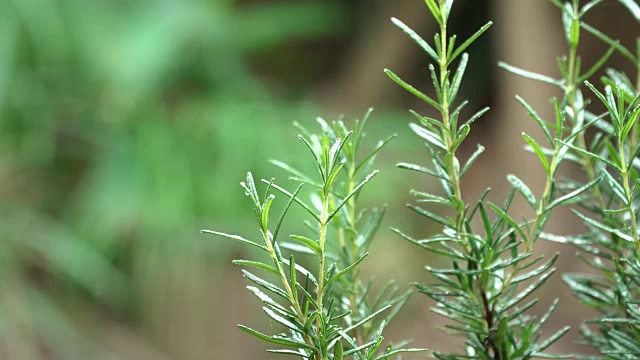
column 127, row 125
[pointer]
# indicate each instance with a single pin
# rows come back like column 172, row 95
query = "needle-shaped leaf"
column 430, row 136
column 430, row 123
column 265, row 298
column 297, row 200
column 430, row 198
column 468, row 42
column 338, row 352
column 588, row 6
column 298, row 353
column 447, row 8
column 358, row 128
column 415, row 37
column 434, row 7
column 552, row 339
column 250, row 188
column 436, row 83
column 538, row 151
column 608, row 101
column 616, row 187
column 603, row 37
column 599, row 64
column 265, row 211
column 284, row 212
column 257, row 264
column 388, row 354
column 413, row 90
column 289, row 323
column 508, row 219
column 236, row 238
column 460, row 136
column 571, row 25
column 333, row 278
column 367, row 318
column 421, row 169
column 332, row 177
column 278, row 340
column 432, row 216
column 530, row 74
column 336, row 149
column 633, row 7
column 527, row 291
column 603, row 227
column 351, row 194
column 457, row 78
column 293, row 278
column 631, row 119
column 471, row 160
column 302, row 271
column 359, row 348
column 537, row 271
column 476, row 116
column 265, row 284
column 293, row 171
column 574, row 194
column 369, row 158
column 557, row 3
column 534, row 115
column 523, row 189
column 311, row 244
column 591, row 155
column 315, row 156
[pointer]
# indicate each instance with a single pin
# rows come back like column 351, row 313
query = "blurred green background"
column 127, row 125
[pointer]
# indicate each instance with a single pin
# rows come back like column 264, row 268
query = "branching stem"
column 453, row 171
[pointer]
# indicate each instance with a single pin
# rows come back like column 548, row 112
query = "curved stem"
column 455, row 181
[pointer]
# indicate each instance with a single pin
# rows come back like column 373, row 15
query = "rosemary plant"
column 611, row 246
column 487, row 289
column 329, row 312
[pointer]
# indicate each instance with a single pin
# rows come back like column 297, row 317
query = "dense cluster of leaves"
column 329, row 313
column 487, row 289
column 609, row 210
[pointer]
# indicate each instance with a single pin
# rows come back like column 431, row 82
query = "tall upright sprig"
column 355, row 228
column 610, row 210
column 328, row 313
column 493, row 272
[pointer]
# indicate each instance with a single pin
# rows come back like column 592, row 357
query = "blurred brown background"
column 126, row 126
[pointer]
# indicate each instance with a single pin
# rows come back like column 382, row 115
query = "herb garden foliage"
column 609, row 210
column 486, row 291
column 328, row 312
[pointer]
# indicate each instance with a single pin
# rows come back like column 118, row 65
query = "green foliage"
column 328, row 313
column 487, row 290
column 609, row 209
column 114, row 144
